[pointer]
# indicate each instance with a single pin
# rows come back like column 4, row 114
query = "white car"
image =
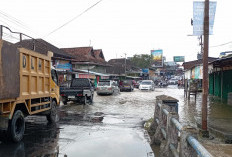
column 172, row 81
column 107, row 87
column 147, row 85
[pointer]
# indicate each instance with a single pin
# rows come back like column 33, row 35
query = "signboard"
column 63, row 65
column 145, row 70
column 157, row 58
column 198, row 17
column 90, row 76
column 178, row 58
column 197, row 72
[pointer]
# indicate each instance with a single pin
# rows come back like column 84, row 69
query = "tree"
column 142, row 61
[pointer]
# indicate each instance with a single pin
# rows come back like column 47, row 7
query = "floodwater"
column 111, row 127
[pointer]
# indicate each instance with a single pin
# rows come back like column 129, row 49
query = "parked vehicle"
column 137, row 84
column 134, row 83
column 172, row 81
column 107, row 87
column 162, row 84
column 80, row 90
column 28, row 86
column 147, row 85
column 126, row 85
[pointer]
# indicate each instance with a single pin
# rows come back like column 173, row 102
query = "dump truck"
column 28, row 86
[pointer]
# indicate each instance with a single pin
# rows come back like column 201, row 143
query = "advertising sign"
column 198, row 17
column 90, row 76
column 178, row 58
column 63, row 65
column 145, row 70
column 197, row 72
column 157, row 58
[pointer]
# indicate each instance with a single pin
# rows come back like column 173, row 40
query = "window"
column 54, row 76
column 105, row 83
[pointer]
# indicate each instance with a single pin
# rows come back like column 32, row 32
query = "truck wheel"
column 64, row 100
column 52, row 117
column 17, row 126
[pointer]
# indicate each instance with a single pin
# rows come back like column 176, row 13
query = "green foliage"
column 142, row 61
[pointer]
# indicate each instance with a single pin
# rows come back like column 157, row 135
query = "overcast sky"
column 118, row 26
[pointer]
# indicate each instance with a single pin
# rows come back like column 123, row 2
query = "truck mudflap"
column 4, row 121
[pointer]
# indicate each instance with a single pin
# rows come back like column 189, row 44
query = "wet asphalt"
column 113, row 126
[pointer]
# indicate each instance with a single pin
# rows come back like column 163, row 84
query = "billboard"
column 63, row 65
column 157, row 58
column 145, row 70
column 178, row 58
column 198, row 17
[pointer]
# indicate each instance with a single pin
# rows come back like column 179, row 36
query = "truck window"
column 54, row 76
column 80, row 82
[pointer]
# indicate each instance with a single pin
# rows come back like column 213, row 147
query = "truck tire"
column 52, row 117
column 64, row 100
column 16, row 126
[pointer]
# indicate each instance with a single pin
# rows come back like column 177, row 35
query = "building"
column 88, row 63
column 220, row 78
column 123, row 67
column 193, row 73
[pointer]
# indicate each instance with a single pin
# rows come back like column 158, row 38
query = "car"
column 147, row 85
column 80, row 90
column 172, row 81
column 107, row 87
column 137, row 84
column 126, row 85
column 162, row 84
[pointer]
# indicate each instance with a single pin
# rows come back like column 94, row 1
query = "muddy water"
column 111, row 126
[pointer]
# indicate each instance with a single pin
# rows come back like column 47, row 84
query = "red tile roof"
column 86, row 54
column 99, row 55
column 82, row 54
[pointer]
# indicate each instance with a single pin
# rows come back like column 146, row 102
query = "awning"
column 92, row 72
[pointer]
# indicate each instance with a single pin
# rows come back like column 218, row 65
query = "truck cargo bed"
column 9, row 71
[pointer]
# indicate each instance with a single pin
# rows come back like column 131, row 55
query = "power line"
column 13, row 20
column 221, row 44
column 73, row 19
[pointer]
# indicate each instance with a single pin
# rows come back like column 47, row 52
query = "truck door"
column 55, row 92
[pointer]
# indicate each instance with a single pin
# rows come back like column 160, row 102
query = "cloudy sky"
column 118, row 26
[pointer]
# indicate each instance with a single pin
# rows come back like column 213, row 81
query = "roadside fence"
column 166, row 130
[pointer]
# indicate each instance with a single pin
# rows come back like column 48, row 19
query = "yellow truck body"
column 26, row 83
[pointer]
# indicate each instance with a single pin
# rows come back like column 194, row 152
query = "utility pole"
column 88, row 70
column 1, row 32
column 205, row 70
column 125, row 64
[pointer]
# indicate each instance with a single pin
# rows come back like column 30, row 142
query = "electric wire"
column 221, row 44
column 13, row 20
column 66, row 23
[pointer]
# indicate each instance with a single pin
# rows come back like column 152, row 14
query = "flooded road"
column 111, row 126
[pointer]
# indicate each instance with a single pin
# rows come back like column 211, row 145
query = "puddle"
column 105, row 142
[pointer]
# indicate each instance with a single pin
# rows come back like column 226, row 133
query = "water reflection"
column 39, row 140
